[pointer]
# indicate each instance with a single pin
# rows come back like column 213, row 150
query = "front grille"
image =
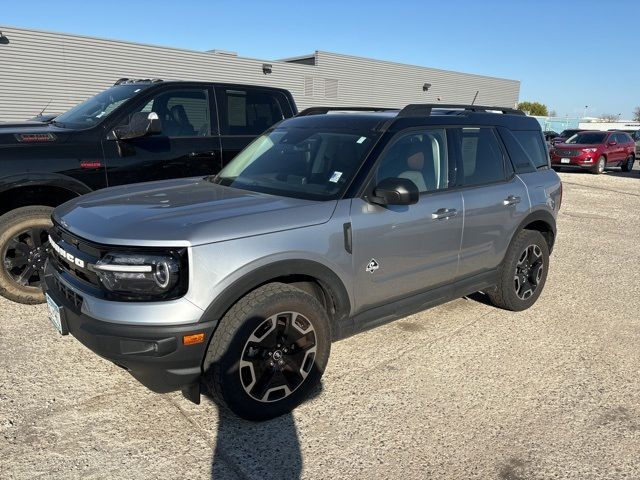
column 78, row 248
column 568, row 153
column 68, row 293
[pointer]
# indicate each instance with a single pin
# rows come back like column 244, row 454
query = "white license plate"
column 565, row 160
column 54, row 314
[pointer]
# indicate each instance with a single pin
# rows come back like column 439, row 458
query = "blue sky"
column 567, row 54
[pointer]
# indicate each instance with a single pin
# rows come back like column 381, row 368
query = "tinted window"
column 587, row 138
column 482, row 159
column 248, row 112
column 183, row 113
column 315, row 164
column 624, row 138
column 532, row 144
column 420, row 156
column 97, row 108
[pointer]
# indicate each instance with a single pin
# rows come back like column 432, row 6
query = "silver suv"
column 331, row 222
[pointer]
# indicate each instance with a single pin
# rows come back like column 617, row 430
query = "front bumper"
column 154, row 354
column 583, row 161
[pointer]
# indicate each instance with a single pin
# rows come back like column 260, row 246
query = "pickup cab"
column 135, row 131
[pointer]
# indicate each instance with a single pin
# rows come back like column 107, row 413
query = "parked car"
column 565, row 135
column 326, row 224
column 595, row 151
column 135, row 131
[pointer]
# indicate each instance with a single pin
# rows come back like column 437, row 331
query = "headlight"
column 146, row 275
column 589, row 150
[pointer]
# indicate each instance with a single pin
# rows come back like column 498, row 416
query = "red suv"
column 594, row 151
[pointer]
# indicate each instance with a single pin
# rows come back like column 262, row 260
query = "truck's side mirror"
column 395, row 191
column 141, row 124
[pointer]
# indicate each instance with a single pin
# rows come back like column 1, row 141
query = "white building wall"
column 39, row 67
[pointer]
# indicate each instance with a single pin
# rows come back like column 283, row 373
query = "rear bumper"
column 154, row 355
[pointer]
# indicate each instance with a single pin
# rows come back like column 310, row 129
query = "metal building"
column 39, row 68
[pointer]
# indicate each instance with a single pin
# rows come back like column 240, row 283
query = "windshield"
column 92, row 111
column 299, row 162
column 587, row 138
column 568, row 133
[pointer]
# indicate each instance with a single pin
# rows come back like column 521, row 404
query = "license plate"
column 55, row 315
column 565, row 160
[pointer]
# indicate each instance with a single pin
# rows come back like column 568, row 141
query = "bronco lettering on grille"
column 66, row 255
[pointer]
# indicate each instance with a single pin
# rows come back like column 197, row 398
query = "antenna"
column 475, row 97
column 45, row 107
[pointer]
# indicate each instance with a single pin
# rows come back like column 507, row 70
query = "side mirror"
column 141, row 124
column 395, row 191
column 612, row 143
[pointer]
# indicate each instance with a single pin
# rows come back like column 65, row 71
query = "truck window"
column 248, row 111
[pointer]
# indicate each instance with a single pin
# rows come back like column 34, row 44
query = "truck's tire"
column 23, row 237
column 523, row 272
column 268, row 352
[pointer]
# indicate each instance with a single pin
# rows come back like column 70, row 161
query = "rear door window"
column 247, row 111
column 531, row 142
column 482, row 160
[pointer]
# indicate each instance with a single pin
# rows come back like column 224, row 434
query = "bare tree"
column 608, row 117
column 636, row 114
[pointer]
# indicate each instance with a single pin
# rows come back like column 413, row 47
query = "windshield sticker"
column 335, row 177
column 361, row 139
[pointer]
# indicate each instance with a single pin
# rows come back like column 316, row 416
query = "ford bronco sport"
column 135, row 131
column 329, row 223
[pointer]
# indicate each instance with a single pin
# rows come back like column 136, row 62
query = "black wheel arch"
column 308, row 275
column 542, row 221
column 50, row 189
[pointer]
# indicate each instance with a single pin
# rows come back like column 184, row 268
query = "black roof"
column 374, row 118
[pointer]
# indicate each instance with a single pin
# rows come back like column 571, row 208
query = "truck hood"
column 184, row 212
column 8, row 132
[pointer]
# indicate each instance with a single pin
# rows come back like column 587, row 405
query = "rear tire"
column 523, row 272
column 268, row 352
column 600, row 165
column 627, row 166
column 23, row 238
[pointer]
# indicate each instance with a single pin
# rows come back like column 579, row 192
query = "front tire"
column 23, row 239
column 600, row 165
column 523, row 272
column 268, row 352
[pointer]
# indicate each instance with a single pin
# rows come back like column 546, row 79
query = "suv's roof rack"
column 323, row 110
column 425, row 109
column 124, row 81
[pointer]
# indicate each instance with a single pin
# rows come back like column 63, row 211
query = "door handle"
column 211, row 154
column 444, row 213
column 511, row 200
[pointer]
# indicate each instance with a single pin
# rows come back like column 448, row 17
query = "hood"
column 577, row 146
column 8, row 132
column 184, row 212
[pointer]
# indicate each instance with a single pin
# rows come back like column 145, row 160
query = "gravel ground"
column 460, row 391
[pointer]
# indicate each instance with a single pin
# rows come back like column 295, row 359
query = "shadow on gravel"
column 260, row 450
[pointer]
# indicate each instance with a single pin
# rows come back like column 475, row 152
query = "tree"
column 534, row 108
column 608, row 117
column 636, row 114
column 552, row 113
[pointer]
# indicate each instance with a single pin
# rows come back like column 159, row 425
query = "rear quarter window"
column 533, row 145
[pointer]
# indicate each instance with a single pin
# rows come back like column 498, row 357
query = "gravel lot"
column 460, row 391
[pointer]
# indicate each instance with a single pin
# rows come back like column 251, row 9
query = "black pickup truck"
column 135, row 131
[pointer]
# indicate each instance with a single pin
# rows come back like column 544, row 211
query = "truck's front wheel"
column 23, row 238
column 268, row 353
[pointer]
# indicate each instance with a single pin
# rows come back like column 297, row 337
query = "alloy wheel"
column 529, row 270
column 278, row 356
column 24, row 255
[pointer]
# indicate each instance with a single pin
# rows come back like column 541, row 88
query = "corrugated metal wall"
column 38, row 67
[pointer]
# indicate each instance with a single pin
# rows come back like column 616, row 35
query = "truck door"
column 188, row 145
